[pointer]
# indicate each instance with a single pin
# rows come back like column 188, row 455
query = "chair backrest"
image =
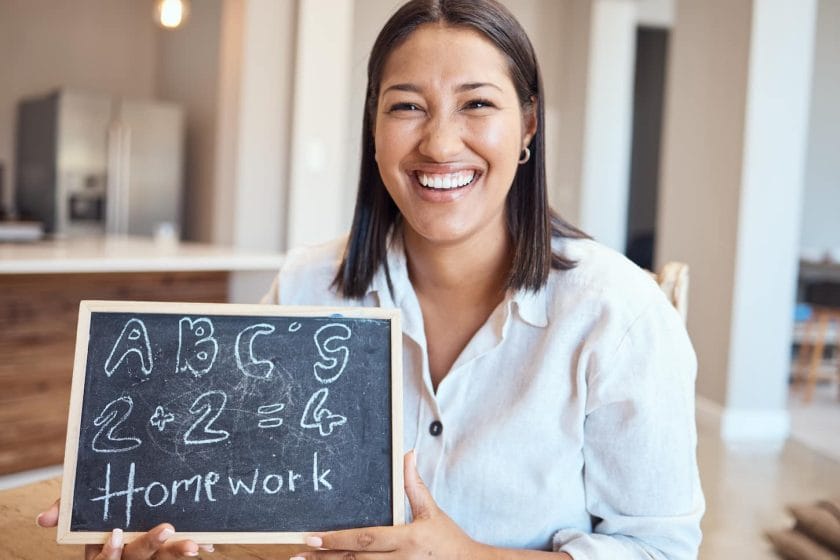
column 673, row 279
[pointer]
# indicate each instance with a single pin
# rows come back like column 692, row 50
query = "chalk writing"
column 324, row 339
column 315, row 415
column 160, row 418
column 198, row 488
column 197, row 348
column 245, row 359
column 114, row 414
column 204, row 406
column 267, row 409
column 134, row 339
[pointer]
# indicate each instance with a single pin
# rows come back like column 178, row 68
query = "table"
column 21, row 539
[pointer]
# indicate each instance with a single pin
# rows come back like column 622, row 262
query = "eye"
column 404, row 107
column 479, row 104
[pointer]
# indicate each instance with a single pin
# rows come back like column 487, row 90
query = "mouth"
column 446, row 181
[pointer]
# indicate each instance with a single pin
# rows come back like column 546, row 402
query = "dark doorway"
column 648, row 103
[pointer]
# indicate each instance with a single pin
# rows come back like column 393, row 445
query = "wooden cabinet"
column 38, row 315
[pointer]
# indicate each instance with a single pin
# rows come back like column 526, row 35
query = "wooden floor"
column 817, row 423
column 747, row 489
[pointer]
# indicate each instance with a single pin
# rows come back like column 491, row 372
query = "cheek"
column 497, row 137
column 386, row 141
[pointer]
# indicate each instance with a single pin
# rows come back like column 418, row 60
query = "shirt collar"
column 532, row 307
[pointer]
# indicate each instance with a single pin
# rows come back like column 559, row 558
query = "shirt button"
column 436, row 428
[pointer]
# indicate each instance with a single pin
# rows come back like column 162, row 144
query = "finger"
column 111, row 550
column 154, row 543
column 177, row 549
column 48, row 517
column 341, row 555
column 368, row 539
column 422, row 503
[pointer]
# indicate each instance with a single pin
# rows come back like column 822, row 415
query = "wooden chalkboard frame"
column 66, row 536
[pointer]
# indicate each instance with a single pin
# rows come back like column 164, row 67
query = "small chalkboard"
column 235, row 423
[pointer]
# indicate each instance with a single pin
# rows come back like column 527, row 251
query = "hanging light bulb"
column 171, row 13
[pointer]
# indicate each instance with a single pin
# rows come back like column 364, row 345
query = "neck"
column 471, row 270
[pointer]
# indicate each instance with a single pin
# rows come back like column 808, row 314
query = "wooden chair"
column 673, row 279
column 809, row 367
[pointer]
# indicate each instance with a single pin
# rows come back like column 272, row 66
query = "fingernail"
column 297, row 558
column 164, row 535
column 207, row 547
column 116, row 538
column 314, row 542
column 191, row 553
column 38, row 519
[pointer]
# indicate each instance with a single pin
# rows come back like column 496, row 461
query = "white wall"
column 656, row 13
column 605, row 177
column 96, row 45
column 821, row 208
column 317, row 206
column 258, row 213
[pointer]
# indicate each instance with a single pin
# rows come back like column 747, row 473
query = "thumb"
column 48, row 517
column 421, row 500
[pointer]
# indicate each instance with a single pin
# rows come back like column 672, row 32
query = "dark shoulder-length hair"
column 531, row 222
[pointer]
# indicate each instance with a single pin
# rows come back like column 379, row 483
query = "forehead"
column 442, row 54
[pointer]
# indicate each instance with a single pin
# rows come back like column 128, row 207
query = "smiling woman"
column 548, row 382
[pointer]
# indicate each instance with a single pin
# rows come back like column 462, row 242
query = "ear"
column 529, row 121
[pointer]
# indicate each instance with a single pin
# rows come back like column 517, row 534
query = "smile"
column 446, row 181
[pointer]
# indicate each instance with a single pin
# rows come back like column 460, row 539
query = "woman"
column 548, row 383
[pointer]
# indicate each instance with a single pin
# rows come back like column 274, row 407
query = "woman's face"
column 449, row 130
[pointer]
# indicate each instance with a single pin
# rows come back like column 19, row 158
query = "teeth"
column 446, row 181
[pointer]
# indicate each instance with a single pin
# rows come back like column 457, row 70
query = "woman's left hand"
column 432, row 534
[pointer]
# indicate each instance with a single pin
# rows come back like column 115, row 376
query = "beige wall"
column 368, row 18
column 559, row 31
column 98, row 45
column 732, row 177
column 701, row 169
column 187, row 72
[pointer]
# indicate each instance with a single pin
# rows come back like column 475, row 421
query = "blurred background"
column 698, row 131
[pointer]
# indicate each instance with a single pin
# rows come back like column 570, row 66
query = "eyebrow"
column 413, row 88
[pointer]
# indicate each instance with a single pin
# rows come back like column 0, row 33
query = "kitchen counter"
column 41, row 285
column 127, row 254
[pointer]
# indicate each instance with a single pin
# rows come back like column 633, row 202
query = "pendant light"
column 171, row 14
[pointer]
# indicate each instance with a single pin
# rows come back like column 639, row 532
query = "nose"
column 442, row 139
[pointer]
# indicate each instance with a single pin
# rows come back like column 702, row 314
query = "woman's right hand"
column 155, row 543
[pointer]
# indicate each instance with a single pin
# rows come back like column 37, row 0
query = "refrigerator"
column 90, row 163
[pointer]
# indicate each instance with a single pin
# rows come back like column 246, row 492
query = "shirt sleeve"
column 640, row 469
column 272, row 296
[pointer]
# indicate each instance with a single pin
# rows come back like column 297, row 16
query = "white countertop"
column 128, row 254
